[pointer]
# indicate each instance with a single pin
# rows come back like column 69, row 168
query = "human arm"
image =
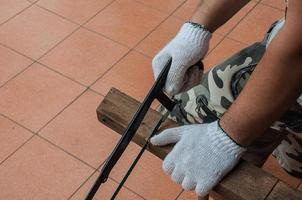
column 191, row 44
column 274, row 85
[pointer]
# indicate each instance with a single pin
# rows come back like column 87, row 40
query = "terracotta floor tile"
column 9, row 8
column 11, row 64
column 12, row 136
column 190, row 195
column 160, row 37
column 229, row 26
column 105, row 191
column 167, row 5
column 78, row 11
column 147, row 179
column 41, row 171
column 41, row 30
column 272, row 166
column 275, row 3
column 78, row 131
column 186, row 11
column 36, row 96
column 254, row 26
column 163, row 34
column 223, row 51
column 132, row 75
column 84, row 56
column 126, row 21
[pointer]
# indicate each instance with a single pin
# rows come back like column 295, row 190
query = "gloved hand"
column 189, row 46
column 202, row 156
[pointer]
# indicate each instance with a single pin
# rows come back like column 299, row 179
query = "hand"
column 188, row 47
column 202, row 156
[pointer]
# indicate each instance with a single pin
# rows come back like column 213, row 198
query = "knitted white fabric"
column 189, row 46
column 202, row 156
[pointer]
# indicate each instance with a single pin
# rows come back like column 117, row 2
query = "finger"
column 175, row 77
column 203, row 190
column 168, row 164
column 177, row 176
column 158, row 63
column 168, row 136
column 188, row 183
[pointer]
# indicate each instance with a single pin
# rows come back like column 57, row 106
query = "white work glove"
column 188, row 47
column 202, row 156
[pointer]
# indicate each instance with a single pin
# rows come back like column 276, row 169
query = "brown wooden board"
column 245, row 182
column 282, row 191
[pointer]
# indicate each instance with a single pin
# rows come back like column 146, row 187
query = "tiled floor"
column 58, row 60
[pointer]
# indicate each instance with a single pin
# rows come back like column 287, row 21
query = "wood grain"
column 245, row 182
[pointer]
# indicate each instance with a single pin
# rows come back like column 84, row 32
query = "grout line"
column 267, row 195
column 21, row 125
column 11, row 154
column 76, row 98
column 181, row 192
column 20, row 72
column 135, row 46
column 92, row 90
column 271, row 6
column 157, row 9
column 91, row 175
column 58, row 72
column 124, row 186
column 48, row 10
column 70, row 154
column 18, row 13
column 227, row 34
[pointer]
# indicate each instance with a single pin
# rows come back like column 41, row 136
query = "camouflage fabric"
column 221, row 85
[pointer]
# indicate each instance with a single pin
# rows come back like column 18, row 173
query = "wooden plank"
column 282, row 191
column 245, row 182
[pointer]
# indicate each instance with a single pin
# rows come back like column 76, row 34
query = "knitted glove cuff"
column 194, row 34
column 223, row 142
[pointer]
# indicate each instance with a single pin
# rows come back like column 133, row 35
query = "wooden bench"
column 245, row 182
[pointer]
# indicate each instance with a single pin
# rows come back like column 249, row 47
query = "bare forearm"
column 214, row 13
column 272, row 89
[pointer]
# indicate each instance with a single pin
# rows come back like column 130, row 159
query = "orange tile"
column 160, row 37
column 224, row 50
column 10, row 8
column 84, row 56
column 163, row 34
column 147, row 178
column 229, row 26
column 41, row 30
column 12, row 63
column 36, row 96
column 186, row 11
column 78, row 11
column 12, row 136
column 78, row 131
column 132, row 75
column 272, row 166
column 215, row 40
column 167, row 5
column 254, row 26
column 126, row 21
column 275, row 3
column 105, row 191
column 41, row 171
column 187, row 195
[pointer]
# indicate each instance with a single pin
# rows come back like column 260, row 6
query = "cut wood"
column 245, row 182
